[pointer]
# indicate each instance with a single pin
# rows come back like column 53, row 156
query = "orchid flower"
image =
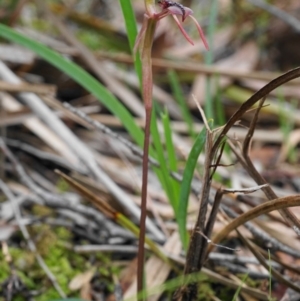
column 174, row 9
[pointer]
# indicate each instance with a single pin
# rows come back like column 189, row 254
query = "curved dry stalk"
column 281, row 203
column 264, row 91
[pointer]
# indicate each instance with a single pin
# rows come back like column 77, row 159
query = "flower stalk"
column 147, row 83
column 144, row 43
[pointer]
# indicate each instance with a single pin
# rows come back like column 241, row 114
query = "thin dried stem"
column 277, row 204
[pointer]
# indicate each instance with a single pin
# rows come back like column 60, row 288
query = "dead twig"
column 25, row 87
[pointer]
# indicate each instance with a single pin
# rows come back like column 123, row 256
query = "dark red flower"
column 175, row 9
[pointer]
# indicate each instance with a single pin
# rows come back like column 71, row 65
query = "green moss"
column 62, row 185
column 40, row 210
column 63, row 263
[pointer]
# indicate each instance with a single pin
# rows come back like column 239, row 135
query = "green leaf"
column 163, row 172
column 240, row 287
column 186, row 185
column 80, row 76
column 171, row 159
column 220, row 112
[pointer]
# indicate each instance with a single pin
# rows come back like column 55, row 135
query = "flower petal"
column 182, row 30
column 202, row 36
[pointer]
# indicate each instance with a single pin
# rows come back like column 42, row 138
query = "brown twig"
column 25, row 87
column 190, row 66
column 189, row 292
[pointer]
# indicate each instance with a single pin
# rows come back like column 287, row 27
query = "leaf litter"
column 44, row 219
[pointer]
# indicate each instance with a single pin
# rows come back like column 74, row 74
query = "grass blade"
column 171, row 156
column 80, row 76
column 163, row 172
column 169, row 141
column 239, row 288
column 220, row 112
column 186, row 185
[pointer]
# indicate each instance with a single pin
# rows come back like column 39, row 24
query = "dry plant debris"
column 70, row 171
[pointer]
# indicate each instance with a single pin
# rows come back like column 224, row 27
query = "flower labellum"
column 175, row 8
